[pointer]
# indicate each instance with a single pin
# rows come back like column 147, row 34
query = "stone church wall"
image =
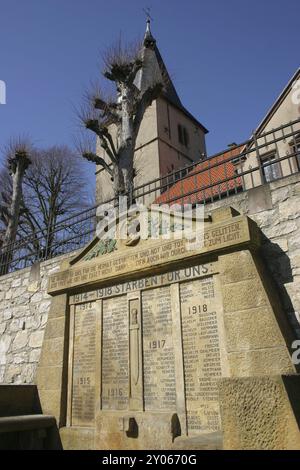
column 24, row 302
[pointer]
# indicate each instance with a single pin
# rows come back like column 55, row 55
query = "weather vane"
column 147, row 11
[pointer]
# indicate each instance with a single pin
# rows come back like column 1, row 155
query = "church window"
column 183, row 135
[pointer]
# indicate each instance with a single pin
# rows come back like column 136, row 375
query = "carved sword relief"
column 134, row 348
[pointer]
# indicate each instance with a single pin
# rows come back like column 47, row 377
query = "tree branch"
column 109, row 109
column 105, row 146
column 108, row 136
column 100, row 104
column 137, row 65
column 93, row 125
column 92, row 157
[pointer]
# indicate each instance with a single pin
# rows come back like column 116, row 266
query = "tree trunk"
column 126, row 166
column 14, row 214
column 118, row 182
column 126, row 149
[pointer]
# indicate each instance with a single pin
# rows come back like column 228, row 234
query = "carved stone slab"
column 162, row 252
column 201, row 353
column 115, row 343
column 84, row 364
column 159, row 359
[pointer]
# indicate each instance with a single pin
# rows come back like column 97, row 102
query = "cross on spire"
column 147, row 13
column 149, row 40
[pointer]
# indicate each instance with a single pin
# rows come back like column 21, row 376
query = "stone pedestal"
column 147, row 346
column 260, row 413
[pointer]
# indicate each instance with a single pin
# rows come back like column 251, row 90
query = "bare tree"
column 122, row 67
column 18, row 158
column 54, row 188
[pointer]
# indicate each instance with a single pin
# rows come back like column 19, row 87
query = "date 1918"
column 197, row 309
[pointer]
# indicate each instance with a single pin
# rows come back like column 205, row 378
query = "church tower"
column 170, row 137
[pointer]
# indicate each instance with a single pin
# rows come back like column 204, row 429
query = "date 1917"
column 157, row 344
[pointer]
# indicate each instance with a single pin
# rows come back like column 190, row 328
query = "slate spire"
column 149, row 40
column 154, row 68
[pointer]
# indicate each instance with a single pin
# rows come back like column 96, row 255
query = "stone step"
column 26, row 423
column 210, row 441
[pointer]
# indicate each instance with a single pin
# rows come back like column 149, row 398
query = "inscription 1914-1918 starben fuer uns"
column 200, row 340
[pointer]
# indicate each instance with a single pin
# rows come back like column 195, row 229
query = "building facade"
column 275, row 154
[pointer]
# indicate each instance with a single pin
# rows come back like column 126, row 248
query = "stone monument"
column 154, row 346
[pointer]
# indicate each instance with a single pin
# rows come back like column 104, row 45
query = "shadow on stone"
column 175, row 427
column 133, row 429
column 35, row 439
column 292, row 387
column 276, row 272
column 22, row 424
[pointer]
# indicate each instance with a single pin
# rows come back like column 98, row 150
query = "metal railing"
column 263, row 158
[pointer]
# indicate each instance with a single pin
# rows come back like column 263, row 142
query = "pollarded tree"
column 53, row 189
column 137, row 84
column 18, row 158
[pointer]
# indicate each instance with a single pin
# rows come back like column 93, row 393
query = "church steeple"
column 154, row 68
column 159, row 149
column 149, row 40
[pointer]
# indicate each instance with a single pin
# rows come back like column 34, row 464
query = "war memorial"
column 156, row 346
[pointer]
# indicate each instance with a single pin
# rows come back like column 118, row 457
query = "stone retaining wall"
column 275, row 207
column 24, row 307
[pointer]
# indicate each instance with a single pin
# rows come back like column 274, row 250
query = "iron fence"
column 261, row 159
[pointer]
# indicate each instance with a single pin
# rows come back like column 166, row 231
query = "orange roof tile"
column 205, row 181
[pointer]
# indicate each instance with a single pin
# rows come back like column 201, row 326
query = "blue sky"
column 229, row 59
